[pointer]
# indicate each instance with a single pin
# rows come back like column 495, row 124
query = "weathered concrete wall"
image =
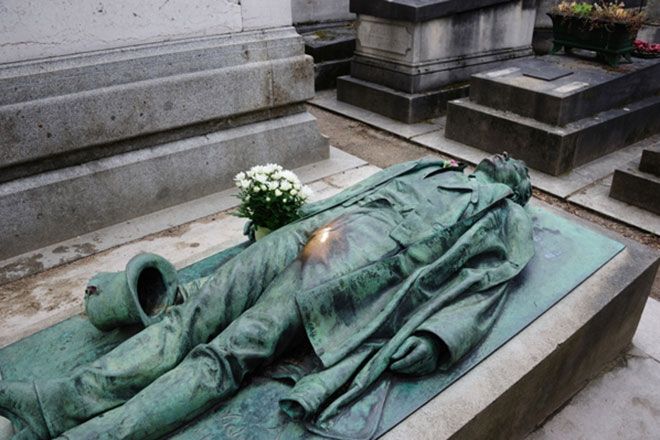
column 317, row 11
column 126, row 108
column 31, row 29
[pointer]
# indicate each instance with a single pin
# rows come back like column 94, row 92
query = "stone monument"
column 103, row 104
column 558, row 112
column 638, row 183
column 329, row 34
column 413, row 56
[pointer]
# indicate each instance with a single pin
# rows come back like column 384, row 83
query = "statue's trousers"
column 209, row 373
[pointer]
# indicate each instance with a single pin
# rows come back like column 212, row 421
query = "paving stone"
column 623, row 403
column 647, row 337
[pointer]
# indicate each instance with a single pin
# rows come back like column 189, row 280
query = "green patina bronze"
column 139, row 295
column 323, row 327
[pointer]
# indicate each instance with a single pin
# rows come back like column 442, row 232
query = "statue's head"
column 503, row 169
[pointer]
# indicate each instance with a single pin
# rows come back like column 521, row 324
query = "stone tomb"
column 549, row 342
column 327, row 29
column 412, row 56
column 164, row 111
column 558, row 112
column 639, row 184
column 331, row 46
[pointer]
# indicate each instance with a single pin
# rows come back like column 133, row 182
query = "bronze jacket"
column 447, row 246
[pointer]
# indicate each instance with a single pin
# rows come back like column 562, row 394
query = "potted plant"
column 271, row 197
column 609, row 29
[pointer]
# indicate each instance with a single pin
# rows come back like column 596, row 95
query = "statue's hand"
column 417, row 356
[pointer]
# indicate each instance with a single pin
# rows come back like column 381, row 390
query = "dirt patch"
column 84, row 249
column 371, row 144
column 31, row 264
column 175, row 231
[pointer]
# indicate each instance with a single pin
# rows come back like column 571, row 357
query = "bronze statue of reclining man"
column 406, row 271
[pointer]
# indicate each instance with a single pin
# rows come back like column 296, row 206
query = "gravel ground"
column 383, row 149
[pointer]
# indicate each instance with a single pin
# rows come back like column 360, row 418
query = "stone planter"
column 609, row 40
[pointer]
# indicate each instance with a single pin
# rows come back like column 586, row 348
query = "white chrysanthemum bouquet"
column 270, row 196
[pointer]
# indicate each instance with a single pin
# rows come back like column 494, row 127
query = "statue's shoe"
column 19, row 402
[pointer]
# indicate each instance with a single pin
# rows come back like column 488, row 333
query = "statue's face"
column 501, row 168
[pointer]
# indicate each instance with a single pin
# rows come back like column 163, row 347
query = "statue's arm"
column 449, row 334
column 459, row 327
column 420, row 354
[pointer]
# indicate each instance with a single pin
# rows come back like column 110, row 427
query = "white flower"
column 289, row 175
column 272, row 167
column 240, row 176
column 276, row 175
column 264, row 187
column 272, row 186
column 256, row 189
column 284, row 200
column 285, row 185
column 261, row 178
column 278, row 192
column 244, row 183
column 293, row 192
column 306, row 192
column 268, row 199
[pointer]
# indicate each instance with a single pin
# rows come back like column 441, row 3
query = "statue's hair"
column 523, row 192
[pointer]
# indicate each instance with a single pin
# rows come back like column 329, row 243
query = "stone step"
column 547, row 148
column 650, row 162
column 405, row 107
column 558, row 90
column 57, row 205
column 637, row 188
column 60, row 112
